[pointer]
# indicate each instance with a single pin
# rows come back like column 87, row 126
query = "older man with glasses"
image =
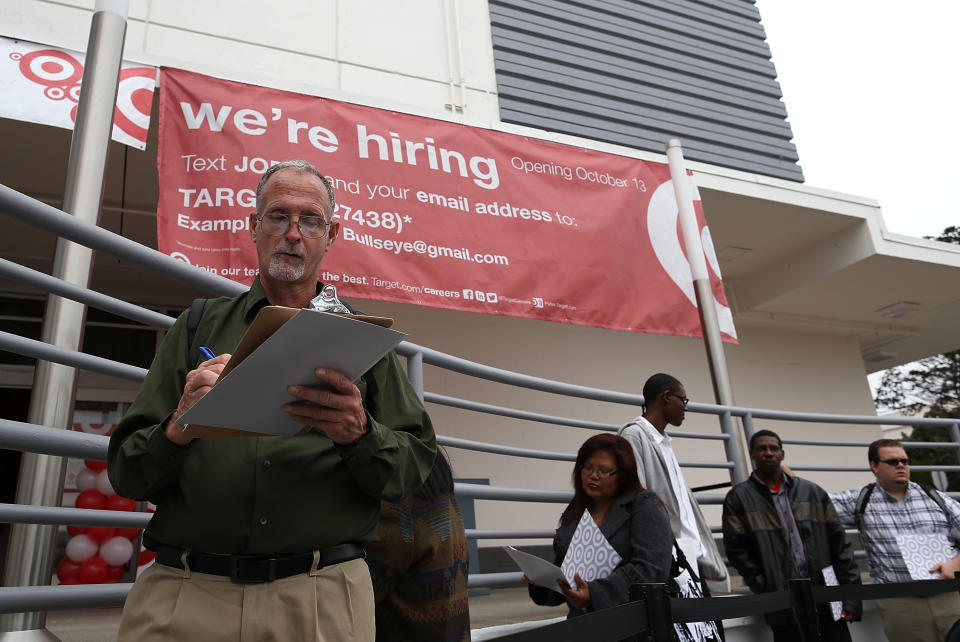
column 261, row 538
column 895, row 515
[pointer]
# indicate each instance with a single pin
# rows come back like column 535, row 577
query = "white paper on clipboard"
column 250, row 397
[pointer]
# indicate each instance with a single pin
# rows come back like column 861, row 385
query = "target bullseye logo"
column 662, row 215
column 60, row 73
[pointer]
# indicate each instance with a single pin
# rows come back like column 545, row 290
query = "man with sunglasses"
column 261, row 537
column 665, row 402
column 888, row 514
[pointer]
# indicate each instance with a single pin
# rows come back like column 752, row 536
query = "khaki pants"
column 331, row 604
column 919, row 619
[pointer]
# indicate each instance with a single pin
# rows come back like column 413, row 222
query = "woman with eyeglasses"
column 631, row 519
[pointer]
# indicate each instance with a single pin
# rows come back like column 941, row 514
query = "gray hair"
column 296, row 166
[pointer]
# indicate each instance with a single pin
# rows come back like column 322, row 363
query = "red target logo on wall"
column 59, row 74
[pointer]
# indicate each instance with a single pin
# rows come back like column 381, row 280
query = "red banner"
column 432, row 213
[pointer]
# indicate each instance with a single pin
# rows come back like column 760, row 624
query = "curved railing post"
column 731, row 447
column 955, row 437
column 748, row 428
column 415, row 372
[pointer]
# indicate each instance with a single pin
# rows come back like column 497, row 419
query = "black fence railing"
column 652, row 613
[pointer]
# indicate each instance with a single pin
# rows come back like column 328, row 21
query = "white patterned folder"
column 920, row 551
column 590, row 554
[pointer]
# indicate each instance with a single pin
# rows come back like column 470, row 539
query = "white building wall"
column 770, row 368
column 429, row 56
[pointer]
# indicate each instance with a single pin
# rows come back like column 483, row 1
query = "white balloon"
column 103, row 484
column 116, row 551
column 86, row 479
column 81, row 547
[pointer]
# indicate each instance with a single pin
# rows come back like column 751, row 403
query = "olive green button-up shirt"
column 264, row 495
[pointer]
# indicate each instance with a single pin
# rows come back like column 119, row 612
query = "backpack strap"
column 197, row 309
column 861, row 505
column 935, row 496
column 865, row 497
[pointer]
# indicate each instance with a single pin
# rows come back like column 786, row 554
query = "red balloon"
column 95, row 465
column 146, row 557
column 93, row 570
column 115, row 573
column 116, row 502
column 67, row 571
column 101, row 533
column 91, row 499
column 129, row 533
column 76, row 530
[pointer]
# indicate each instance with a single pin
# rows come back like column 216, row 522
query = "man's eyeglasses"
column 896, row 461
column 602, row 473
column 684, row 400
column 278, row 224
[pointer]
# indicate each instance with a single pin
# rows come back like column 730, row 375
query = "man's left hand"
column 337, row 413
column 847, row 616
column 578, row 597
column 948, row 570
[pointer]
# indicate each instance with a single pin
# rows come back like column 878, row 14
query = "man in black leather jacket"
column 776, row 528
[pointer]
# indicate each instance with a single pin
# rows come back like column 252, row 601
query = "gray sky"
column 872, row 90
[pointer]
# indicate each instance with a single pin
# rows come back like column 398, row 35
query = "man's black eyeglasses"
column 278, row 224
column 684, row 400
column 894, row 462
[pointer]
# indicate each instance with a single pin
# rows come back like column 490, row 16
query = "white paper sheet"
column 920, row 551
column 830, row 579
column 590, row 554
column 538, row 570
column 251, row 396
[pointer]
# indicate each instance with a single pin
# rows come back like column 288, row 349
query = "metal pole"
column 415, row 372
column 722, row 391
column 748, row 428
column 29, row 560
column 656, row 604
column 805, row 609
column 955, row 437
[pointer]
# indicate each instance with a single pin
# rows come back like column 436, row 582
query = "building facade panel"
column 637, row 73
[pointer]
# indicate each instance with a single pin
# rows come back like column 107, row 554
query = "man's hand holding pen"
column 198, row 383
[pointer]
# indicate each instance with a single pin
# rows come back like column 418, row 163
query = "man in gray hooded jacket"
column 665, row 403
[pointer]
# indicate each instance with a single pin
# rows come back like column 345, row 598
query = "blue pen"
column 207, row 352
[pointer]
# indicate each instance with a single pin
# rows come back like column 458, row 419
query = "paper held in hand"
column 589, row 554
column 921, row 551
column 283, row 347
column 830, row 579
column 538, row 570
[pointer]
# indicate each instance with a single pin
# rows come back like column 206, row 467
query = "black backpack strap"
column 935, row 496
column 680, row 562
column 197, row 309
column 861, row 505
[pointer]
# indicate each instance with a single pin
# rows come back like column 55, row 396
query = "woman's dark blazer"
column 638, row 529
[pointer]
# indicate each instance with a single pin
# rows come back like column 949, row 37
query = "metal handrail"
column 45, row 440
column 50, row 219
column 53, row 285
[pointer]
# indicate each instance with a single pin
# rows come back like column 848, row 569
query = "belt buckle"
column 246, row 569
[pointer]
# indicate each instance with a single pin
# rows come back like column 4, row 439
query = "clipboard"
column 283, row 346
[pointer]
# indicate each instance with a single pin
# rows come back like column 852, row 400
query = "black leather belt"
column 252, row 569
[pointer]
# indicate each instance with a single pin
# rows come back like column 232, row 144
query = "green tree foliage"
column 930, row 387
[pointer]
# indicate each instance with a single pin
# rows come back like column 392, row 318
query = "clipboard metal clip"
column 327, row 301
